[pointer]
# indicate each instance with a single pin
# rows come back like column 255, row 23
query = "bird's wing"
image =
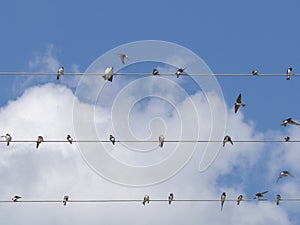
column 288, row 173
column 264, row 192
column 239, row 99
column 236, row 108
column 294, row 123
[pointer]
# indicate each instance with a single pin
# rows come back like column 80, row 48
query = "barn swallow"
column 123, row 57
column 260, row 195
column 69, row 138
column 171, row 198
column 227, row 139
column 108, row 74
column 16, row 198
column 66, row 198
column 287, row 138
column 289, row 121
column 289, row 73
column 278, row 198
column 254, row 72
column 239, row 199
column 146, row 199
column 161, row 140
column 7, row 138
column 223, row 197
column 112, row 139
column 282, row 174
column 60, row 72
column 39, row 141
column 238, row 103
column 155, row 72
column 180, row 71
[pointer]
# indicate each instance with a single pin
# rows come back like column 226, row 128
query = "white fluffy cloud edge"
column 58, row 169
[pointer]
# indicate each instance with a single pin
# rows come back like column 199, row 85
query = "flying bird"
column 180, row 71
column 155, row 72
column 227, row 139
column 171, row 198
column 146, row 199
column 278, row 198
column 260, row 195
column 60, row 72
column 239, row 199
column 161, row 140
column 289, row 73
column 66, row 198
column 123, row 57
column 238, row 103
column 39, row 141
column 69, row 138
column 16, row 198
column 289, row 121
column 254, row 72
column 284, row 173
column 112, row 139
column 223, row 197
column 108, row 74
column 287, row 138
column 7, row 138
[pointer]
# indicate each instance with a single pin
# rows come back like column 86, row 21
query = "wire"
column 136, row 74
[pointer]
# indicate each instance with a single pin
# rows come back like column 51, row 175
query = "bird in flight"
column 155, row 72
column 289, row 121
column 108, row 74
column 289, row 73
column 171, row 198
column 161, row 140
column 39, row 141
column 254, row 72
column 227, row 139
column 238, row 103
column 60, row 72
column 123, row 57
column 284, row 173
column 66, row 198
column 69, row 138
column 146, row 199
column 260, row 195
column 239, row 199
column 112, row 139
column 16, row 198
column 180, row 71
column 278, row 198
column 7, row 138
column 223, row 197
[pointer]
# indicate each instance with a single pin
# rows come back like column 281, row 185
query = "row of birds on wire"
column 109, row 73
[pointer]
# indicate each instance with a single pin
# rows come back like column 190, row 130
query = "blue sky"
column 230, row 36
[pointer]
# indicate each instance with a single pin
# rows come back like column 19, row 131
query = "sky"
column 229, row 37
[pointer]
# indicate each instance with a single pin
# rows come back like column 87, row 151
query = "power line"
column 26, row 73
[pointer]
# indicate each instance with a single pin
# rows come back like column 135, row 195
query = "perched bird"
column 7, row 138
column 66, row 198
column 161, row 140
column 289, row 121
column 155, row 72
column 171, row 198
column 227, row 139
column 146, row 199
column 238, row 103
column 223, row 197
column 39, row 141
column 180, row 71
column 254, row 72
column 239, row 199
column 69, row 138
column 112, row 139
column 278, row 198
column 289, row 73
column 123, row 57
column 287, row 138
column 108, row 74
column 260, row 195
column 282, row 174
column 16, row 198
column 60, row 72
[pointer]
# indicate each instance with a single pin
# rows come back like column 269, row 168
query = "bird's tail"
column 243, row 105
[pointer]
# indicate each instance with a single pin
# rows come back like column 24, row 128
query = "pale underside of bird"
column 180, row 71
column 155, row 72
column 65, row 200
column 69, row 138
column 238, row 103
column 161, row 140
column 260, row 195
column 289, row 72
column 60, row 72
column 239, row 199
column 123, row 57
column 227, row 139
column 223, row 197
column 8, row 138
column 289, row 121
column 16, row 198
column 284, row 173
column 171, row 198
column 112, row 139
column 278, row 198
column 146, row 199
column 254, row 72
column 39, row 141
column 108, row 74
